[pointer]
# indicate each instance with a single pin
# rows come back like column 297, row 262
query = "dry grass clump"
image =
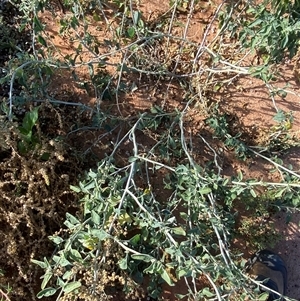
column 34, row 197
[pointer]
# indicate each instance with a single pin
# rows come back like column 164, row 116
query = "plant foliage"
column 158, row 208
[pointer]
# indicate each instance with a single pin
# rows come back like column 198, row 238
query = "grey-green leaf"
column 72, row 286
column 49, row 291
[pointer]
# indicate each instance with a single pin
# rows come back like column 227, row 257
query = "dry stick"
column 129, row 249
column 10, row 94
column 4, row 295
column 215, row 155
column 155, row 162
column 96, row 266
column 242, row 70
column 82, row 42
column 66, row 103
column 189, row 16
column 220, row 30
column 260, row 183
column 104, row 15
column 119, row 80
column 272, row 96
column 114, row 52
column 118, row 144
column 130, row 176
column 236, row 69
column 245, row 72
column 152, row 217
column 131, row 172
column 276, row 164
column 189, row 287
column 182, row 138
column 171, row 23
column 221, row 244
column 199, row 53
column 183, row 41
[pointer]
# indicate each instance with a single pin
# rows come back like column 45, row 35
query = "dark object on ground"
column 268, row 266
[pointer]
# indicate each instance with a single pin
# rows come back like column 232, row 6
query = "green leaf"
column 240, row 175
column 123, row 264
column 67, row 275
column 56, row 239
column 179, row 231
column 45, row 156
column 131, row 32
column 288, row 218
column 135, row 239
column 136, row 17
column 207, row 293
column 152, row 268
column 61, row 260
column 47, row 70
column 72, row 286
column 95, row 218
column 42, row 41
column 165, row 276
column 92, row 174
column 153, row 110
column 253, row 193
column 60, row 282
column 295, row 201
column 184, row 216
column 75, row 188
column 47, row 276
column 37, row 25
column 182, row 272
column 69, row 225
column 142, row 257
column 263, row 297
column 255, row 23
column 100, row 234
column 49, row 291
column 72, row 219
column 96, row 17
column 75, row 255
column 279, row 116
column 89, row 186
column 42, row 264
column 30, row 120
column 282, row 93
column 205, row 190
column 91, row 70
column 280, row 193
